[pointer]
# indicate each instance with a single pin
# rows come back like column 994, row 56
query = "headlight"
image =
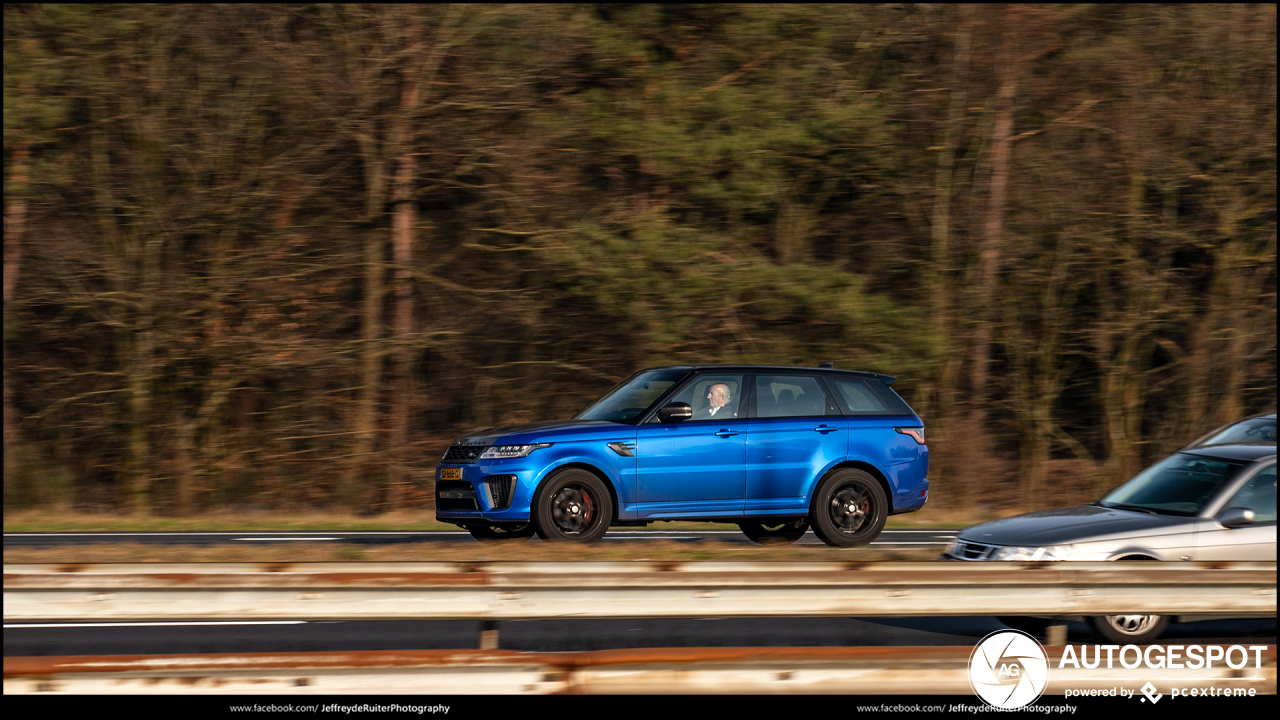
column 510, row 451
column 1017, row 553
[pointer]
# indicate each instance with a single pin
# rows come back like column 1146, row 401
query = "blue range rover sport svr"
column 777, row 450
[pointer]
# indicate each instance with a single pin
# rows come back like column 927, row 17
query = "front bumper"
column 495, row 490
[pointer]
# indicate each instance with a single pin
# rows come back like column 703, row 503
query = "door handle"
column 726, row 433
column 824, row 429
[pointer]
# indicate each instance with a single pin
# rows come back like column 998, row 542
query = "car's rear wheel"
column 1129, row 629
column 519, row 532
column 849, row 508
column 573, row 505
column 775, row 532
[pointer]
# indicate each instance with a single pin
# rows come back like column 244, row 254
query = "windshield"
column 629, row 399
column 1257, row 430
column 1178, row 485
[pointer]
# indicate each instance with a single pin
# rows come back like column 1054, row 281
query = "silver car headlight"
column 1032, row 554
column 503, row 452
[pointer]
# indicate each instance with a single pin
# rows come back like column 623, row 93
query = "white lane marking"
column 153, row 624
column 277, row 538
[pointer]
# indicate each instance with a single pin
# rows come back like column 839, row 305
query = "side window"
column 712, row 397
column 1259, row 495
column 790, row 396
column 858, row 397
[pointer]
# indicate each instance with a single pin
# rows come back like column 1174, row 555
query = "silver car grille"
column 970, row 550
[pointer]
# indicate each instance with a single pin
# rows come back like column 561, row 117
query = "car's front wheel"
column 1129, row 629
column 573, row 505
column 849, row 508
column 775, row 533
column 520, row 532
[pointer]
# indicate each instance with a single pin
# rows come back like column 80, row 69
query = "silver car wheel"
column 1132, row 624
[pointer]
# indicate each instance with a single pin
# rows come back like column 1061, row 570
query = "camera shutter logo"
column 1008, row 669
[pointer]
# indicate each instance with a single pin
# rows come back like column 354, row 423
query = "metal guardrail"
column 878, row 671
column 495, row 591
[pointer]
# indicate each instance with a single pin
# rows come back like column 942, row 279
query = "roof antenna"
column 827, row 365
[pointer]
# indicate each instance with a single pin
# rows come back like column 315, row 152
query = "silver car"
column 1212, row 502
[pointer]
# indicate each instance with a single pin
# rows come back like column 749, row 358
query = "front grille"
column 970, row 550
column 462, row 454
column 500, row 487
column 455, row 495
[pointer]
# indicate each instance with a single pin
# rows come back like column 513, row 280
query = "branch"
column 1066, row 117
column 734, row 75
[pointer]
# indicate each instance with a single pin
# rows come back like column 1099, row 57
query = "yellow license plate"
column 451, row 474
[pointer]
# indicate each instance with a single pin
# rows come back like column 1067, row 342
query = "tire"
column 849, row 509
column 573, row 506
column 1129, row 629
column 514, row 533
column 771, row 532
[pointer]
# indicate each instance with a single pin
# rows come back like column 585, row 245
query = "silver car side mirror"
column 1234, row 517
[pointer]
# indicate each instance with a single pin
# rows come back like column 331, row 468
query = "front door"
column 695, row 467
column 1256, row 542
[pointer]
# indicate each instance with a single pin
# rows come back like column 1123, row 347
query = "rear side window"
column 867, row 396
column 790, row 396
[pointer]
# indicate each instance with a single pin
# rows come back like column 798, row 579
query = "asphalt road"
column 921, row 538
column 552, row 635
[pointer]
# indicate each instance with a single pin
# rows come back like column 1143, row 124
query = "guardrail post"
column 1055, row 635
column 488, row 634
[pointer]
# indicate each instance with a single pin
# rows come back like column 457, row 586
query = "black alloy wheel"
column 849, row 508
column 573, row 505
column 775, row 532
column 517, row 532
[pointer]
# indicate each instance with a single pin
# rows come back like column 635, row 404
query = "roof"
column 1239, row 451
column 886, row 379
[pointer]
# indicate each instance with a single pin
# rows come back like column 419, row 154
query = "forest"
column 279, row 256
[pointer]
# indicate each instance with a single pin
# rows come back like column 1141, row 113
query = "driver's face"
column 718, row 395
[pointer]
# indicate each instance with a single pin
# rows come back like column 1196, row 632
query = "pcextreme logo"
column 1008, row 669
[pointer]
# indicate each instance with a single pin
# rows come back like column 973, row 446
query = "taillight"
column 916, row 433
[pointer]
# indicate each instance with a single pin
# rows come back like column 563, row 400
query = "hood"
column 547, row 431
column 1084, row 523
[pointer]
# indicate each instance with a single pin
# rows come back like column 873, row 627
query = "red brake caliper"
column 591, row 508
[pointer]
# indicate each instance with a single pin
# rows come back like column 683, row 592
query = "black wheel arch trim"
column 868, row 468
column 602, row 475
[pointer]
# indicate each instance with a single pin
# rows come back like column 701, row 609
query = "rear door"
column 795, row 432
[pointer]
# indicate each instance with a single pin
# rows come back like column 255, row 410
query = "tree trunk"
column 15, row 220
column 402, row 240
column 989, row 267
column 941, row 422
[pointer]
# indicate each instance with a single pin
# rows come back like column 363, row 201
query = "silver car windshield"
column 1181, row 484
column 630, row 398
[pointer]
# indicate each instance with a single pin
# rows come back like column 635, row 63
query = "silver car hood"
column 1083, row 523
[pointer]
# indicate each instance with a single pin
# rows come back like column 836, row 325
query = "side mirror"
column 676, row 411
column 1234, row 517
